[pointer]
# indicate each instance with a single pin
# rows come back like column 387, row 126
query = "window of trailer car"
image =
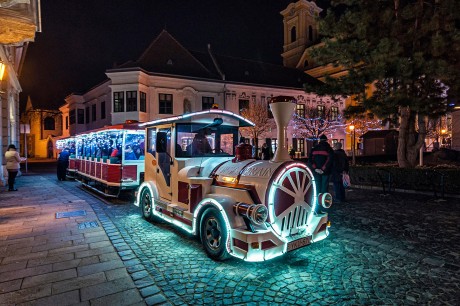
column 151, row 141
column 198, row 140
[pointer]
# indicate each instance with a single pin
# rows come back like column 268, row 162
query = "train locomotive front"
column 275, row 208
column 250, row 209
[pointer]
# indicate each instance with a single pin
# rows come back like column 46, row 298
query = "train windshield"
column 198, row 140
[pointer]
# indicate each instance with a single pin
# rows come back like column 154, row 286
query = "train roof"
column 206, row 117
column 121, row 126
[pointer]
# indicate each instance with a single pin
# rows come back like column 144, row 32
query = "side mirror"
column 161, row 142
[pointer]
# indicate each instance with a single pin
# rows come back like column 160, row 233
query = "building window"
column 131, row 101
column 48, row 123
column 320, row 110
column 166, row 104
column 300, row 110
column 66, row 122
column 299, row 145
column 143, row 102
column 293, row 34
column 243, row 104
column 118, row 102
column 93, row 112
column 87, row 115
column 310, row 33
column 334, row 113
column 207, row 102
column 80, row 116
column 72, row 116
column 103, row 110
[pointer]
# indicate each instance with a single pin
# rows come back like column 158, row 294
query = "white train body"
column 250, row 209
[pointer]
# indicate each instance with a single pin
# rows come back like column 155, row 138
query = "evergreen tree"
column 405, row 52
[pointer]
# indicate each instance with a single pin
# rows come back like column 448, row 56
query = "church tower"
column 300, row 31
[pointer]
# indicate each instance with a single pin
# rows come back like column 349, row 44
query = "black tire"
column 146, row 204
column 214, row 234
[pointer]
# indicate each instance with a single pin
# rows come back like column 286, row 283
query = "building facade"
column 19, row 21
column 171, row 80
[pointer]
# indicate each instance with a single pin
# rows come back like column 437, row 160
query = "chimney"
column 283, row 108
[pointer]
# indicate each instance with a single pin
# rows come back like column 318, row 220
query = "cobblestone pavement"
column 400, row 249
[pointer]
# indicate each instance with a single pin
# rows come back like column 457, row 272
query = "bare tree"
column 258, row 113
column 316, row 122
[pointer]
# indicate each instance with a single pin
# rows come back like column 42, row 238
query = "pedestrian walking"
column 12, row 165
column 320, row 162
column 63, row 164
column 339, row 168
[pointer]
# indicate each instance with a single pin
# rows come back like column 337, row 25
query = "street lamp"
column 353, row 131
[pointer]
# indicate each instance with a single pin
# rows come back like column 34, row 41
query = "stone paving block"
column 78, row 283
column 99, row 267
column 100, row 244
column 92, row 239
column 107, row 288
column 150, row 290
column 48, row 278
column 155, row 299
column 63, row 299
column 13, row 266
column 11, row 241
column 50, row 259
column 85, row 261
column 109, row 256
column 17, row 251
column 24, row 295
column 99, row 251
column 21, row 257
column 95, row 234
column 70, row 249
column 64, row 265
column 61, row 238
column 116, row 273
column 51, row 246
column 16, row 274
column 10, row 285
column 127, row 297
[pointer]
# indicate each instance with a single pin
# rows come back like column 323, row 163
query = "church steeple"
column 300, row 30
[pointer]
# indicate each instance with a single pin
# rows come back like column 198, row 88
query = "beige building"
column 19, row 21
column 170, row 80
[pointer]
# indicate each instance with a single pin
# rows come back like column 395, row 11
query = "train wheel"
column 214, row 234
column 146, row 204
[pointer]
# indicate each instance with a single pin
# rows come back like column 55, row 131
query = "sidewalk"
column 48, row 257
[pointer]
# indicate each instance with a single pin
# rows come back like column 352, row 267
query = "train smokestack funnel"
column 283, row 108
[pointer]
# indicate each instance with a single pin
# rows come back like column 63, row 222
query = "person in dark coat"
column 340, row 166
column 320, row 162
column 265, row 151
column 63, row 164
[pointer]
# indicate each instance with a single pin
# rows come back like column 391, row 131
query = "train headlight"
column 257, row 213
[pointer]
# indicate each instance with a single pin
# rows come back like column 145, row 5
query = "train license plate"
column 296, row 244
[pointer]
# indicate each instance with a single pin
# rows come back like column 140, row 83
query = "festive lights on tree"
column 316, row 122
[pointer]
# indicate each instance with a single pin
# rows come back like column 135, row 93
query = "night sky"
column 80, row 39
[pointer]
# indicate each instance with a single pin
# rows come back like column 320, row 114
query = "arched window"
column 305, row 64
column 48, row 123
column 293, row 34
column 310, row 33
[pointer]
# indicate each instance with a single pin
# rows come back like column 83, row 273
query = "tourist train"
column 109, row 160
column 201, row 179
column 193, row 171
